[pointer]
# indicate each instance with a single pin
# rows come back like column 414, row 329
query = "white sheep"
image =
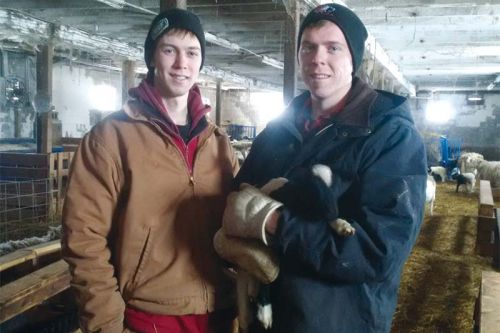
column 430, row 192
column 469, row 161
column 489, row 170
column 439, row 172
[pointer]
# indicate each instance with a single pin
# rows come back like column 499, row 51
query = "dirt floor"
column 441, row 279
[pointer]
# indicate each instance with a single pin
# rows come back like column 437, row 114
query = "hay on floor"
column 440, row 281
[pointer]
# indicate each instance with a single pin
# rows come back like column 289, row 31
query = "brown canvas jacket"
column 138, row 227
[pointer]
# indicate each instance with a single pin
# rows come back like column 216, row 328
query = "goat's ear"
column 323, row 172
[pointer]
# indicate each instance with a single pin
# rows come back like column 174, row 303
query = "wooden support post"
column 43, row 98
column 363, row 70
column 372, row 71
column 44, row 132
column 44, row 62
column 292, row 22
column 218, row 103
column 381, row 80
column 52, row 164
column 168, row 4
column 59, row 177
column 128, row 78
column 390, row 86
column 17, row 123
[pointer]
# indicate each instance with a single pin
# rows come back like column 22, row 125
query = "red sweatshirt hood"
column 148, row 94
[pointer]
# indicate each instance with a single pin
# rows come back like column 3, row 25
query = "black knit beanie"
column 167, row 20
column 354, row 30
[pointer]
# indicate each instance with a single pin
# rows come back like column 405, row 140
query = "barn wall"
column 477, row 126
column 250, row 108
column 237, row 109
column 72, row 100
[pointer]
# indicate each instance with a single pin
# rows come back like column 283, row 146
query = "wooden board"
column 21, row 173
column 489, row 321
column 486, row 204
column 71, row 141
column 30, row 253
column 486, row 241
column 24, row 159
column 30, row 290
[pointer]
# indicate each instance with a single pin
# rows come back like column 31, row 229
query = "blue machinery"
column 450, row 151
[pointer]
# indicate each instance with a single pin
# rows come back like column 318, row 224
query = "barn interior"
column 65, row 65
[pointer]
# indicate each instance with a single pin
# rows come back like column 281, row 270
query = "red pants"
column 215, row 322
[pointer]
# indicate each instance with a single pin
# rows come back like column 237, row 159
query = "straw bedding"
column 440, row 281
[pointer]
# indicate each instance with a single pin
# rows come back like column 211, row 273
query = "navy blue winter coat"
column 330, row 283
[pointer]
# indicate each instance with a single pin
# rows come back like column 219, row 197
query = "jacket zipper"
column 202, row 146
column 191, row 181
column 323, row 129
column 183, row 155
column 190, row 172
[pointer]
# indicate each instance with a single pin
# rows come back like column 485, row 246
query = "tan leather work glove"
column 248, row 254
column 247, row 212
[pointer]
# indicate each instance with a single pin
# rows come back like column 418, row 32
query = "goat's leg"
column 264, row 308
column 243, row 300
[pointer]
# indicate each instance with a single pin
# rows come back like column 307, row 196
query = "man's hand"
column 247, row 213
column 248, row 254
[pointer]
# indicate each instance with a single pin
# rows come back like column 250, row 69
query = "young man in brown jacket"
column 146, row 194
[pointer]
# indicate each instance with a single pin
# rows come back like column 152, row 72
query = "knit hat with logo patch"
column 166, row 21
column 354, row 30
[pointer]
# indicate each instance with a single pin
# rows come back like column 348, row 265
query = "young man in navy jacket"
column 330, row 283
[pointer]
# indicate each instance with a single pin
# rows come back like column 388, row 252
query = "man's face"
column 325, row 62
column 177, row 61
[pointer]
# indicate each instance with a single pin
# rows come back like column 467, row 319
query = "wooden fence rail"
column 486, row 242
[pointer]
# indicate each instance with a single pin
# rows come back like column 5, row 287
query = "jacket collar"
column 148, row 95
column 358, row 106
column 353, row 120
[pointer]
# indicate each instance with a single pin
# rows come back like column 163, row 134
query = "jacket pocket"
column 143, row 257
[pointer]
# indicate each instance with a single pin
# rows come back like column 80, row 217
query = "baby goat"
column 308, row 193
column 468, row 179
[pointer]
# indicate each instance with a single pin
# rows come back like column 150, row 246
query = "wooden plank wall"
column 21, row 166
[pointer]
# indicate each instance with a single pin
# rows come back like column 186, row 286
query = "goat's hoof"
column 265, row 315
column 342, row 227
